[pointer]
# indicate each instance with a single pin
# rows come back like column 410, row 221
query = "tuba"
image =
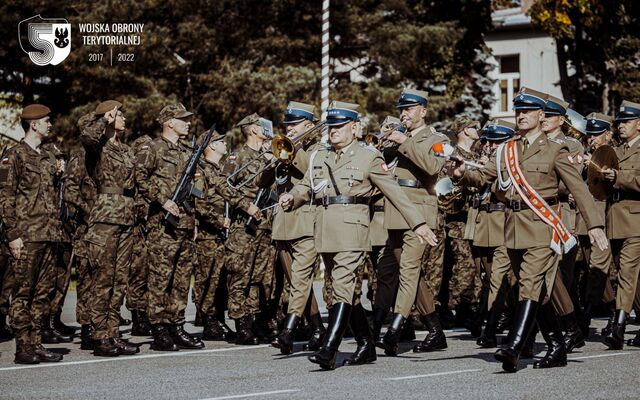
column 603, row 157
column 451, row 200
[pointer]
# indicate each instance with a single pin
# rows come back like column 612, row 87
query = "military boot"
column 162, row 339
column 124, row 321
column 60, row 337
column 183, row 339
column 6, row 333
column 86, row 342
column 366, row 351
column 284, row 341
column 317, row 333
column 228, row 334
column 615, row 339
column 199, row 321
column 379, row 316
column 25, row 354
column 105, row 348
column 528, row 350
column 338, row 321
column 125, row 348
column 45, row 355
column 488, row 337
column 408, row 332
column 212, row 329
column 61, row 327
column 550, row 328
column 389, row 342
column 244, row 334
column 573, row 338
column 636, row 340
column 140, row 325
column 524, row 320
column 435, row 339
column 607, row 329
column 46, row 334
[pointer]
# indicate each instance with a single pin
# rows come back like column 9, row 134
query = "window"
column 508, row 83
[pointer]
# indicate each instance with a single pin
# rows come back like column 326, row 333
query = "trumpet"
column 284, row 151
column 379, row 140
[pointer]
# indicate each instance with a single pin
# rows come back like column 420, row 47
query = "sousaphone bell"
column 604, row 157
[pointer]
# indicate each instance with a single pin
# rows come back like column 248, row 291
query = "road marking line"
column 127, row 358
column 462, row 371
column 598, row 356
column 240, row 396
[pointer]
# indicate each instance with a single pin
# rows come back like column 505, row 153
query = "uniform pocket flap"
column 634, row 209
column 352, row 218
column 537, row 167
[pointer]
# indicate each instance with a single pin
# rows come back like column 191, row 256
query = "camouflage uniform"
column 29, row 212
column 139, row 271
column 465, row 284
column 109, row 237
column 171, row 250
column 250, row 258
column 79, row 196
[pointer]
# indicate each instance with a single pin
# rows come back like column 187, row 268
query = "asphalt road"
column 224, row 371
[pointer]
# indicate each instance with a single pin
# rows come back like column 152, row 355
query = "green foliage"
column 248, row 56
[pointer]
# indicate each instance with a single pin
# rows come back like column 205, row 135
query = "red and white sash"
column 528, row 194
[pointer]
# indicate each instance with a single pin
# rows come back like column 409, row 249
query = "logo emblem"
column 46, row 41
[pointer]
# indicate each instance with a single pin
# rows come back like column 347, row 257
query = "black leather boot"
column 46, row 333
column 25, row 354
column 227, row 333
column 379, row 316
column 125, row 348
column 550, row 328
column 62, row 338
column 524, row 320
column 435, row 339
column 183, row 339
column 528, row 351
column 607, row 329
column 199, row 321
column 317, row 333
column 389, row 342
column 366, row 351
column 573, row 338
column 45, row 355
column 636, row 340
column 162, row 340
column 86, row 343
column 6, row 333
column 244, row 334
column 615, row 339
column 488, row 337
column 284, row 341
column 338, row 321
column 407, row 332
column 212, row 329
column 61, row 327
column 105, row 348
column 124, row 321
column 140, row 324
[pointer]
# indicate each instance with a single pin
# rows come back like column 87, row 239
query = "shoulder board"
column 557, row 141
column 369, row 147
column 572, row 139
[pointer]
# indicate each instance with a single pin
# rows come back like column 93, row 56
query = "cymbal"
column 603, row 157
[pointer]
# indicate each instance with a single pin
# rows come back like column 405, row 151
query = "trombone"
column 284, row 150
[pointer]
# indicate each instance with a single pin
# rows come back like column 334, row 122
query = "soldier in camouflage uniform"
column 6, row 279
column 139, row 271
column 79, row 196
column 213, row 226
column 108, row 237
column 171, row 249
column 250, row 253
column 28, row 200
column 465, row 284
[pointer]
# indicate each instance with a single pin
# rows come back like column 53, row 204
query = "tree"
column 598, row 49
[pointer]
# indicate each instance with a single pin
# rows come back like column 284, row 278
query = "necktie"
column 338, row 155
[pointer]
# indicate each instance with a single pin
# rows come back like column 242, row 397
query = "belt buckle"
column 475, row 202
column 516, row 206
column 616, row 196
column 325, row 201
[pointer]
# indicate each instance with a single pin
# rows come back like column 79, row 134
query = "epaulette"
column 557, row 141
column 435, row 132
column 370, row 148
column 572, row 139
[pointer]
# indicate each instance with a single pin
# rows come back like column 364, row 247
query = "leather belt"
column 378, row 208
column 492, row 207
column 120, row 191
column 519, row 205
column 619, row 195
column 329, row 200
column 410, row 183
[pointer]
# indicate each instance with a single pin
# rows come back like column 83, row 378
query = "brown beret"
column 107, row 106
column 35, row 111
column 172, row 111
column 249, row 120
